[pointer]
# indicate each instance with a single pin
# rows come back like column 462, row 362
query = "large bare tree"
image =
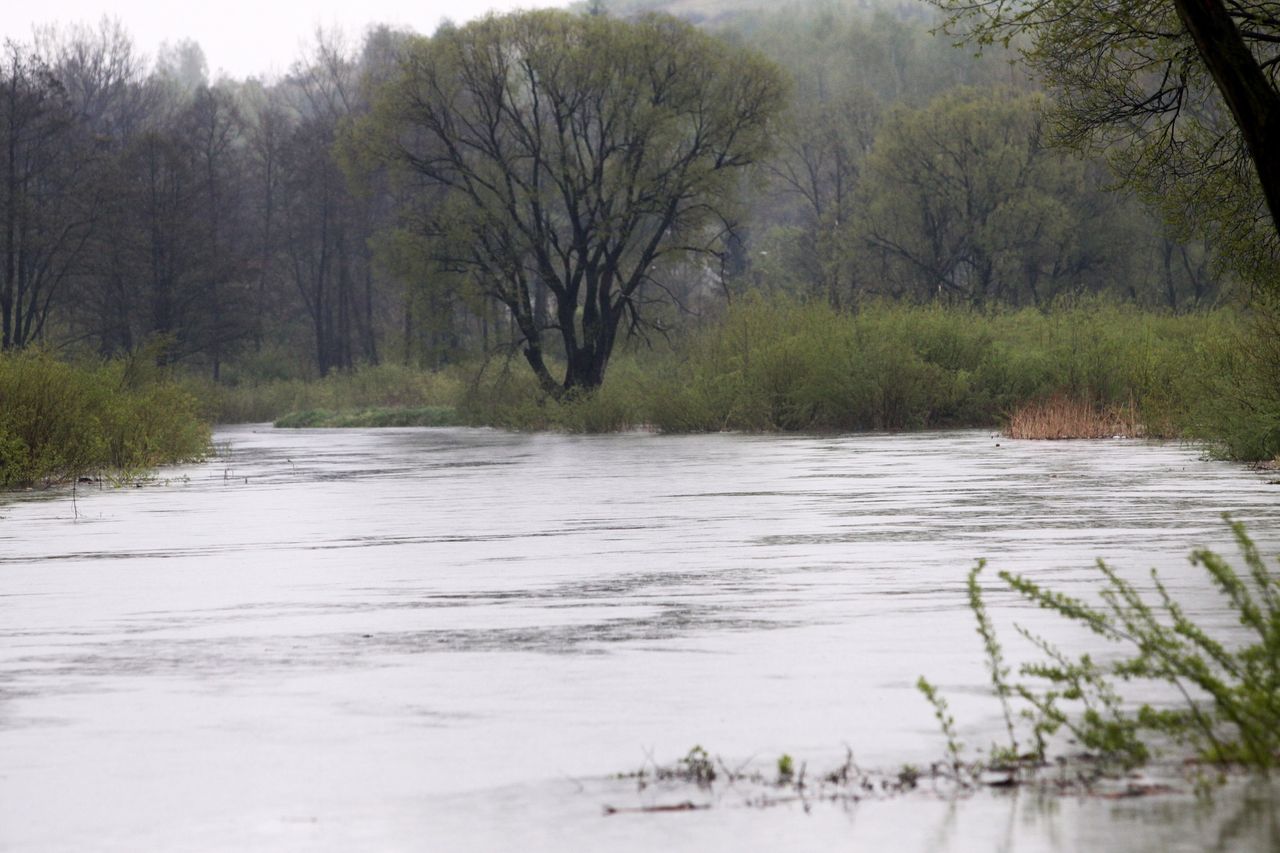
column 568, row 155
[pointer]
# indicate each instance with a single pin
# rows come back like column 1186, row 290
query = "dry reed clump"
column 1064, row 417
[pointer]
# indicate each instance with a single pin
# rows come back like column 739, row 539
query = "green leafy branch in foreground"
column 1230, row 708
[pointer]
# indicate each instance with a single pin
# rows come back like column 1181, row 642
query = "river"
column 447, row 639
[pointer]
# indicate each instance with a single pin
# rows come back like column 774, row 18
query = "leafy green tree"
column 823, row 148
column 849, row 64
column 1184, row 97
column 962, row 203
column 572, row 153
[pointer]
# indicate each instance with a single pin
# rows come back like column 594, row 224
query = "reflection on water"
column 1242, row 816
column 360, row 639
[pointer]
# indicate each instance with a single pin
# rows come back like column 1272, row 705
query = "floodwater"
column 450, row 639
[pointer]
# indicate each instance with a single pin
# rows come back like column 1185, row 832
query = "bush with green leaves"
column 1229, row 688
column 1237, row 410
column 59, row 421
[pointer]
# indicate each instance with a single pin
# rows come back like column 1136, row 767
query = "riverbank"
column 775, row 365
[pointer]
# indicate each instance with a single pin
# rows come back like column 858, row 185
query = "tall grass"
column 1065, row 417
column 777, row 364
column 496, row 393
column 509, row 397
column 59, row 421
column 383, row 386
column 780, row 365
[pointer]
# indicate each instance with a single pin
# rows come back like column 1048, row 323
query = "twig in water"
column 686, row 806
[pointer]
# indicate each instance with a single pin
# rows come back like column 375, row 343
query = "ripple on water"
column 361, row 625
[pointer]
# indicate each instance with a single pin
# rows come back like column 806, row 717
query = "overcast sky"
column 247, row 37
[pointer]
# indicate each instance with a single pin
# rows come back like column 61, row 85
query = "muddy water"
column 448, row 639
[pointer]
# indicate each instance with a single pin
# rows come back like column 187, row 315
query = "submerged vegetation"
column 1229, row 682
column 700, row 781
column 59, row 421
column 700, row 771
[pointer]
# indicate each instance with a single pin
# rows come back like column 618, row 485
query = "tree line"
column 143, row 204
column 549, row 184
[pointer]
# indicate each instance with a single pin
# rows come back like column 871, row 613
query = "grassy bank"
column 773, row 365
column 778, row 365
column 387, row 386
column 420, row 416
column 60, row 421
column 766, row 365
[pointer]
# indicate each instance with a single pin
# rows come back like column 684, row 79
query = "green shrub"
column 59, row 421
column 1237, row 409
column 1230, row 688
column 775, row 364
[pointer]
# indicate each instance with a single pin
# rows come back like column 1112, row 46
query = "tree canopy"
column 563, row 158
column 962, row 203
column 1183, row 97
column 147, row 207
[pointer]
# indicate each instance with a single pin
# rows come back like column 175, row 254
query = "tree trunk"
column 1171, row 290
column 533, row 355
column 1254, row 104
column 588, row 362
column 11, row 216
column 408, row 327
column 367, row 329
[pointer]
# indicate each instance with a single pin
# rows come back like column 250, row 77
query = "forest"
column 411, row 208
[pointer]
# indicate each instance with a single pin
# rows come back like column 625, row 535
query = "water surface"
column 448, row 639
